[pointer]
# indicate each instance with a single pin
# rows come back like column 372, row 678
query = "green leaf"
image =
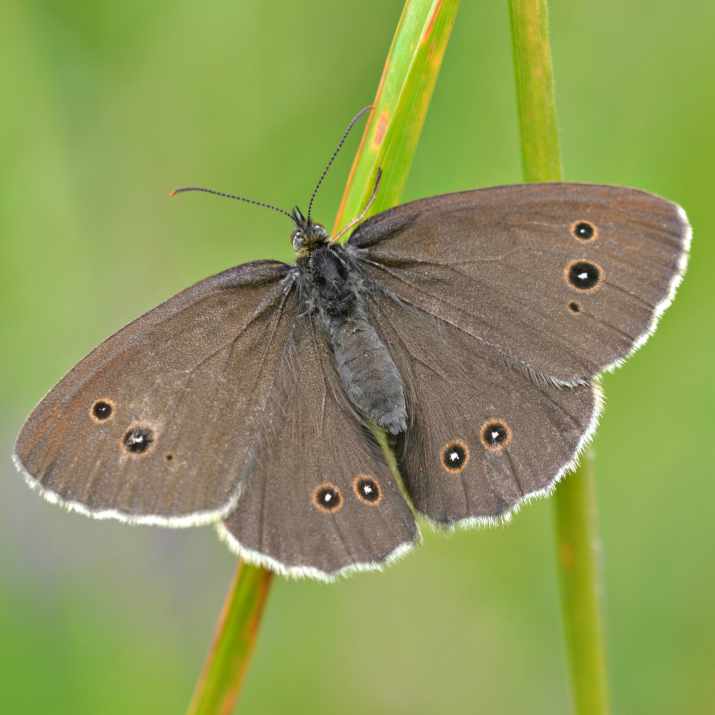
column 400, row 107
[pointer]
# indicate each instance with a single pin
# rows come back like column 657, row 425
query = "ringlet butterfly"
column 470, row 327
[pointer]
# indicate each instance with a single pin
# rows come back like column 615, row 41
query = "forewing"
column 482, row 437
column 157, row 423
column 561, row 280
column 321, row 500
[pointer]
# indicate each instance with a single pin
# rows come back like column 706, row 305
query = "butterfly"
column 470, row 327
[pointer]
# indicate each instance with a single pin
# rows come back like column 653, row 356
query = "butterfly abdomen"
column 367, row 371
column 369, row 374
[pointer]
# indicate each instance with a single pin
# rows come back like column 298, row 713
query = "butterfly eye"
column 367, row 490
column 455, row 455
column 584, row 230
column 319, row 230
column 102, row 410
column 327, row 498
column 495, row 435
column 138, row 439
column 584, row 275
column 297, row 239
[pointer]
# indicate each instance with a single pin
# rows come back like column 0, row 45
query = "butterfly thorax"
column 333, row 288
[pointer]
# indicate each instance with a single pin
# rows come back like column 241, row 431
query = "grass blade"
column 575, row 506
column 389, row 141
column 236, row 631
column 393, row 129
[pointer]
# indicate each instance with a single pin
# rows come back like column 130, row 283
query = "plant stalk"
column 389, row 142
column 576, row 527
column 220, row 681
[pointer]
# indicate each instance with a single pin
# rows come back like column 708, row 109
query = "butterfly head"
column 307, row 236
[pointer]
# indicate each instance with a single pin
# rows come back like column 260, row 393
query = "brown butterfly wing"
column 320, row 501
column 482, row 437
column 561, row 280
column 156, row 424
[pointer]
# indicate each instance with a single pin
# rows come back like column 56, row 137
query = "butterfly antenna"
column 369, row 203
column 185, row 189
column 351, row 124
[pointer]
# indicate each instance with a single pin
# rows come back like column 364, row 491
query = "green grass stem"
column 220, row 682
column 574, row 503
column 400, row 106
column 389, row 142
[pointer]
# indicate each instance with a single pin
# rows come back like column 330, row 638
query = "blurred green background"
column 107, row 107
